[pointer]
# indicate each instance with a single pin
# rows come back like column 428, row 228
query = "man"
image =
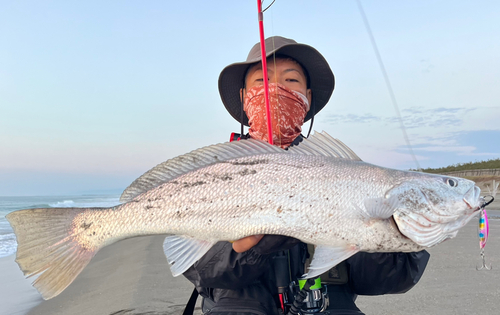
column 240, row 278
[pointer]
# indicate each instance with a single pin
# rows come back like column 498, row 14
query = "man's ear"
column 309, row 96
column 242, row 92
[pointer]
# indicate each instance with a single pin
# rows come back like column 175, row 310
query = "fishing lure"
column 484, row 227
column 484, row 230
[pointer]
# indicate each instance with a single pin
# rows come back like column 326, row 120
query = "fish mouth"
column 472, row 198
column 468, row 204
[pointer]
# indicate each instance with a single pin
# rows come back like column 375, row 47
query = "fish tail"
column 51, row 243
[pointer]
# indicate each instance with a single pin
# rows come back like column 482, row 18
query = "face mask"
column 288, row 110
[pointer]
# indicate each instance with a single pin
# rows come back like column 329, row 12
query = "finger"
column 244, row 244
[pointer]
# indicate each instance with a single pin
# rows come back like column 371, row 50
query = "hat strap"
column 312, row 118
column 242, row 101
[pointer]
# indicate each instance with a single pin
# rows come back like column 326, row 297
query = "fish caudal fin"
column 48, row 245
column 183, row 252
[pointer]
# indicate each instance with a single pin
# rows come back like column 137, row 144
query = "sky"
column 95, row 93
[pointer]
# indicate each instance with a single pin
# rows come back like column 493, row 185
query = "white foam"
column 63, row 204
column 87, row 203
column 8, row 244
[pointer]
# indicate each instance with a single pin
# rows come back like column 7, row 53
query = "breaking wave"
column 8, row 244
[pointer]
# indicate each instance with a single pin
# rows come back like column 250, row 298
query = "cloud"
column 352, row 118
column 457, row 147
column 413, row 117
column 439, row 136
column 484, row 142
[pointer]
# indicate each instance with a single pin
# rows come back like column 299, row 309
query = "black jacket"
column 245, row 281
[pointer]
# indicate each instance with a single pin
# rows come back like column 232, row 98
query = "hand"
column 244, row 244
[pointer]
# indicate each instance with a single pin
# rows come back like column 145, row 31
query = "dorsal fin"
column 194, row 160
column 321, row 143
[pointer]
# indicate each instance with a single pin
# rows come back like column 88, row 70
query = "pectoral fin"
column 182, row 252
column 326, row 257
column 381, row 208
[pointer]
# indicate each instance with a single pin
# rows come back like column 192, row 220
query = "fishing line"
column 275, row 73
column 274, row 61
column 265, row 76
column 388, row 83
column 260, row 18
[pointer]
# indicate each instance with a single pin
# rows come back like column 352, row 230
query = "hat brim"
column 322, row 80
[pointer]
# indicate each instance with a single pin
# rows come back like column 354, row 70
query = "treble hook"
column 484, row 266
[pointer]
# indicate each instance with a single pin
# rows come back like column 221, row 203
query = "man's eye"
column 292, row 80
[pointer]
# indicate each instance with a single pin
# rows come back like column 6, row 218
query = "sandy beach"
column 132, row 277
column 129, row 277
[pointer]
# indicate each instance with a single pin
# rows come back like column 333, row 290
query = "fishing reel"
column 316, row 300
column 310, row 297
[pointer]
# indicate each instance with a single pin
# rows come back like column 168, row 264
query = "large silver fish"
column 319, row 192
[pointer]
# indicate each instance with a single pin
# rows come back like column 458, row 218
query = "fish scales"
column 299, row 196
column 319, row 192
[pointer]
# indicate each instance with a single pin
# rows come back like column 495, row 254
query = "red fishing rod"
column 266, row 96
column 264, row 71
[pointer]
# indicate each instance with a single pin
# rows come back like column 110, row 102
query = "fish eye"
column 452, row 182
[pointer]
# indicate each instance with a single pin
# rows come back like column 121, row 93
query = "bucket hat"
column 321, row 78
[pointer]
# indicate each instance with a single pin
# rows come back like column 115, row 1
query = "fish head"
column 432, row 208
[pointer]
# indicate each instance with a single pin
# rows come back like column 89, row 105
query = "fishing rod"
column 264, row 68
column 309, row 289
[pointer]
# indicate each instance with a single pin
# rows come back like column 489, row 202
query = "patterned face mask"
column 288, row 110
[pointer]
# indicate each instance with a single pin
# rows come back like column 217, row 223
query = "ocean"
column 8, row 243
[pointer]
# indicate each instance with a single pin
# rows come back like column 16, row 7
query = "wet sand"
column 17, row 296
column 127, row 278
column 132, row 277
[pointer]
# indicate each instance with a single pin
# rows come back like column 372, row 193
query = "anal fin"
column 326, row 257
column 183, row 251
